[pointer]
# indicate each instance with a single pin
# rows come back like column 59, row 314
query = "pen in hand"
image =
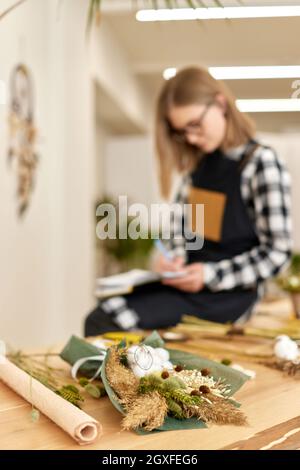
column 171, row 267
column 161, row 247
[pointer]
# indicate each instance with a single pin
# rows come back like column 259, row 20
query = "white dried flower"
column 286, row 348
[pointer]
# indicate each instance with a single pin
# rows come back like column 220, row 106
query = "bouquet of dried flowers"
column 164, row 389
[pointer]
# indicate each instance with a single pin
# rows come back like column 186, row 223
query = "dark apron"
column 228, row 231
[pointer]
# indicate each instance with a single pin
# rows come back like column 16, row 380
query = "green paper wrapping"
column 77, row 348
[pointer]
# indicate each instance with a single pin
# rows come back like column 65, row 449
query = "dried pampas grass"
column 148, row 411
column 218, row 411
column 121, row 379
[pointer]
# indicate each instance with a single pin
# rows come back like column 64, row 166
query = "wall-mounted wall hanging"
column 21, row 153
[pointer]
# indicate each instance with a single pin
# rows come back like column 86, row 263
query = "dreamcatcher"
column 21, row 151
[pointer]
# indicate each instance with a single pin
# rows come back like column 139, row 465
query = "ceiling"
column 152, row 47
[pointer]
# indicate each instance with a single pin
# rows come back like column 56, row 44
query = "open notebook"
column 124, row 283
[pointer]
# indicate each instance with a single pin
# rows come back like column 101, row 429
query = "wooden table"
column 271, row 402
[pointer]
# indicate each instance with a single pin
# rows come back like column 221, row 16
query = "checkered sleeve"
column 266, row 189
column 176, row 242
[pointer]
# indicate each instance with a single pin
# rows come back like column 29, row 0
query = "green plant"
column 295, row 264
column 127, row 252
column 71, row 394
column 290, row 281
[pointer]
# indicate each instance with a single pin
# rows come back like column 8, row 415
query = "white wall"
column 47, row 259
column 24, row 245
column 111, row 67
column 130, row 169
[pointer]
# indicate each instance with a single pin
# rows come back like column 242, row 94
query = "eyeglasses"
column 180, row 134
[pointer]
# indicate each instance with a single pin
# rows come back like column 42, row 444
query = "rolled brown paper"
column 79, row 425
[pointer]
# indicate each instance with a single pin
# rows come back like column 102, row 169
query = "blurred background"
column 90, row 101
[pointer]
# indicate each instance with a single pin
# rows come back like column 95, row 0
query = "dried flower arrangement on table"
column 160, row 389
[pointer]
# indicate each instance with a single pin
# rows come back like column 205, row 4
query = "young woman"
column 245, row 190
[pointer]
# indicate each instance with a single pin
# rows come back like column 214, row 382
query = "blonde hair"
column 190, row 86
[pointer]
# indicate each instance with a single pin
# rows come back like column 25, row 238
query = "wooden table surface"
column 271, row 403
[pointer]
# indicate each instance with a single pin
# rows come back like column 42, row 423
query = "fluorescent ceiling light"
column 255, row 72
column 246, row 72
column 268, row 105
column 177, row 14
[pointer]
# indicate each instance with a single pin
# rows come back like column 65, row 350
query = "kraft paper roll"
column 79, row 425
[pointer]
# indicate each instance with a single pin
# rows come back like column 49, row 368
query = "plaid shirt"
column 265, row 189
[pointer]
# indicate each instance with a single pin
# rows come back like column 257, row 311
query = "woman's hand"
column 191, row 282
column 161, row 264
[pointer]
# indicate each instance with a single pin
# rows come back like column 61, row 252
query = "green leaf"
column 154, row 340
column 71, row 394
column 83, row 381
column 72, row 388
column 102, row 390
column 34, row 415
column 92, row 390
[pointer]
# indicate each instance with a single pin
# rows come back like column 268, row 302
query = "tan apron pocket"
column 214, row 206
